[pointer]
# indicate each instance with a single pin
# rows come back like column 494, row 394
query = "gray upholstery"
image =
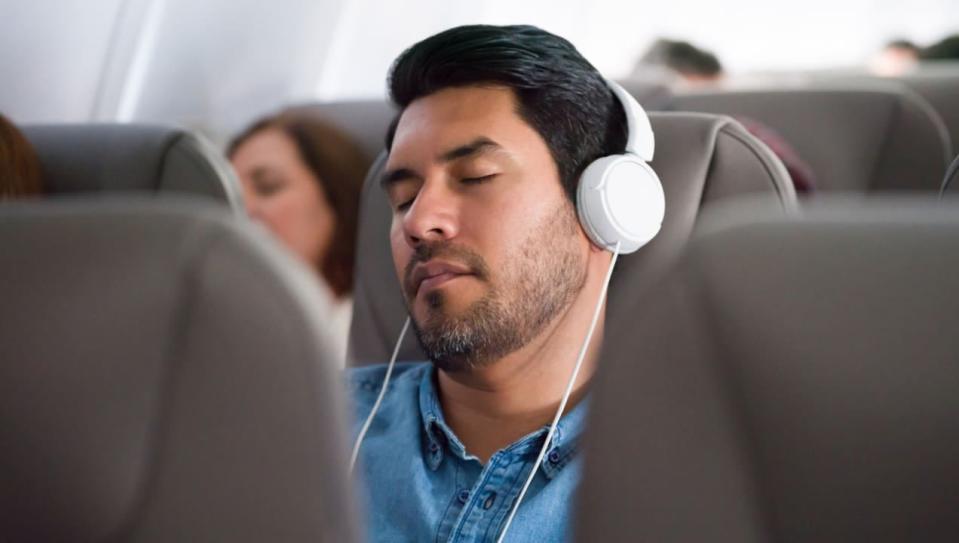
column 700, row 158
column 794, row 380
column 163, row 378
column 125, row 157
column 936, row 82
column 652, row 89
column 941, row 90
column 854, row 139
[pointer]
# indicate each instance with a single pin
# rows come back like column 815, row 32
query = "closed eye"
column 477, row 180
column 265, row 187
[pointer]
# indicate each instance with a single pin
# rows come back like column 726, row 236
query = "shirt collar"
column 438, row 436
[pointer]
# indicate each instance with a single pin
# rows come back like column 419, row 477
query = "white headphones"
column 620, row 199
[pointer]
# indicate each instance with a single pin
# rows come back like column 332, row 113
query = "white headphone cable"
column 379, row 399
column 569, row 390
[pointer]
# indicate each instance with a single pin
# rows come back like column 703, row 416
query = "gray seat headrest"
column 935, row 82
column 939, row 89
column 854, row 139
column 700, row 158
column 125, row 157
column 164, row 378
column 653, row 89
column 793, row 379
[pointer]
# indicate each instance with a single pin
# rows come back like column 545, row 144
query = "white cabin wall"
column 214, row 65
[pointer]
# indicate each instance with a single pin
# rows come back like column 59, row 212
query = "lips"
column 434, row 273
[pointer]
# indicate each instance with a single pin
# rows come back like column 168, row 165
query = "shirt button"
column 434, row 447
column 490, row 500
column 554, row 456
column 464, row 496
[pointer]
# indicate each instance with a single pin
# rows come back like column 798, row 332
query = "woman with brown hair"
column 19, row 167
column 302, row 179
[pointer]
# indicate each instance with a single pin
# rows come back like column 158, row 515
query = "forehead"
column 267, row 145
column 455, row 116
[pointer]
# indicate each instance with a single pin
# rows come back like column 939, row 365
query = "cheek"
column 282, row 211
column 303, row 203
column 304, row 222
column 400, row 249
column 505, row 218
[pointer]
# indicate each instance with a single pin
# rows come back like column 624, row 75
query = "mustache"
column 447, row 251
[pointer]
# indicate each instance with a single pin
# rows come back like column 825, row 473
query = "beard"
column 527, row 294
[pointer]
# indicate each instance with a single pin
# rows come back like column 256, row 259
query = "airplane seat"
column 163, row 378
column 651, row 88
column 108, row 158
column 700, row 159
column 857, row 139
column 939, row 88
column 793, row 379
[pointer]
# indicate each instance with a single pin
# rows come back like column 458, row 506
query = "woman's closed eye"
column 267, row 186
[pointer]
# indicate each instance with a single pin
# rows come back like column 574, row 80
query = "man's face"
column 485, row 243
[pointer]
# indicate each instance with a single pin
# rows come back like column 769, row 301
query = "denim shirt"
column 420, row 484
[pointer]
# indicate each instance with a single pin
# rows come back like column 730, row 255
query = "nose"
column 433, row 215
column 252, row 204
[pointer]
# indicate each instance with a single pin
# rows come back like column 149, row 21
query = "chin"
column 443, row 303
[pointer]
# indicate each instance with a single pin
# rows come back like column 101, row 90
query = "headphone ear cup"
column 620, row 200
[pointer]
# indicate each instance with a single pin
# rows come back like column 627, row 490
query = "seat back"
column 108, row 158
column 941, row 89
column 854, row 138
column 652, row 91
column 164, row 378
column 793, row 380
column 700, row 158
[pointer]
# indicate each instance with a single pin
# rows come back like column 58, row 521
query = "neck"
column 492, row 407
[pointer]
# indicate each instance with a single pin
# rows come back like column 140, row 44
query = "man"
column 495, row 126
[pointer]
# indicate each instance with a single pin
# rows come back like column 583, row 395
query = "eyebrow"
column 395, row 176
column 475, row 147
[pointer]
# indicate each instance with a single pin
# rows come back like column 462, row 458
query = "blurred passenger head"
column 496, row 125
column 693, row 65
column 302, row 178
column 944, row 49
column 19, row 167
column 896, row 58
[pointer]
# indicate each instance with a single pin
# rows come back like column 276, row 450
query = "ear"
column 593, row 248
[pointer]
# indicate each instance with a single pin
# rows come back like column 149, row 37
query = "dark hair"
column 682, row 57
column 558, row 92
column 944, row 49
column 902, row 44
column 340, row 166
column 19, row 167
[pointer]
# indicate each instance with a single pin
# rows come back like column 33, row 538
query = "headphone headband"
column 640, row 140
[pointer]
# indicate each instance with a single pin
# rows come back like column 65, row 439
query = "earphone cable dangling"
column 569, row 390
column 379, row 398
